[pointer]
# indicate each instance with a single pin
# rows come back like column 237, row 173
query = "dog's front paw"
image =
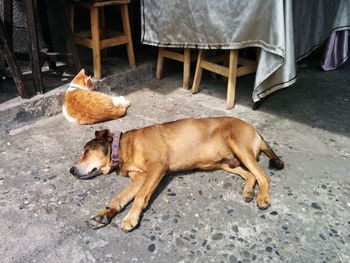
column 102, row 218
column 248, row 192
column 263, row 201
column 248, row 195
column 97, row 222
column 129, row 222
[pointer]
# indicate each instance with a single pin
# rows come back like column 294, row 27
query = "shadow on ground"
column 318, row 99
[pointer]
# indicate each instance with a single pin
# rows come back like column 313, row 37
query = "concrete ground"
column 196, row 216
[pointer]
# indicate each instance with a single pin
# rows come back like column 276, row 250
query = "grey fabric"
column 285, row 30
column 336, row 51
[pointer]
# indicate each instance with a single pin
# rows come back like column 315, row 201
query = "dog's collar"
column 115, row 149
column 73, row 86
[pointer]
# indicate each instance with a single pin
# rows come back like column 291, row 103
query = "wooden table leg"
column 33, row 45
column 69, row 36
column 187, row 68
column 127, row 31
column 11, row 61
column 95, row 34
column 160, row 63
column 198, row 73
column 232, row 76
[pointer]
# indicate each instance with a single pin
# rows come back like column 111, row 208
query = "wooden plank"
column 218, row 69
column 88, row 4
column 86, row 42
column 173, row 55
column 127, row 31
column 108, row 34
column 186, row 68
column 198, row 73
column 95, row 32
column 111, row 42
column 11, row 61
column 33, row 45
column 83, row 34
column 246, row 62
column 231, row 85
column 244, row 70
column 112, row 33
column 217, row 59
column 160, row 63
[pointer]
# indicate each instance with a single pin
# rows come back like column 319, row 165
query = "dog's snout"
column 72, row 170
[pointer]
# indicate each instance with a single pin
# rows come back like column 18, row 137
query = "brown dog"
column 147, row 154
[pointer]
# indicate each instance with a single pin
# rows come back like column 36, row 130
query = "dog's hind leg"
column 249, row 161
column 154, row 175
column 104, row 216
column 246, row 153
column 250, row 181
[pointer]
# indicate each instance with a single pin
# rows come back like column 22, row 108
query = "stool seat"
column 88, row 4
column 98, row 37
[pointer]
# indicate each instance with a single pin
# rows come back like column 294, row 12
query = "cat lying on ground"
column 84, row 106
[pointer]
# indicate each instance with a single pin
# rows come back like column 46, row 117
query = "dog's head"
column 95, row 158
column 83, row 80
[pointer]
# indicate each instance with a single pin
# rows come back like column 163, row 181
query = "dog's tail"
column 275, row 162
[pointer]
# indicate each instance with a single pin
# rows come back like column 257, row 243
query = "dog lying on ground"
column 84, row 106
column 147, row 154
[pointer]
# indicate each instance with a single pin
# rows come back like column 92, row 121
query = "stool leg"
column 198, row 73
column 68, row 25
column 232, row 75
column 95, row 34
column 12, row 62
column 33, row 45
column 187, row 68
column 70, row 15
column 103, row 29
column 160, row 63
column 127, row 32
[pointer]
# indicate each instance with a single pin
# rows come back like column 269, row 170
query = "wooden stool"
column 231, row 72
column 96, row 39
column 5, row 45
column 185, row 58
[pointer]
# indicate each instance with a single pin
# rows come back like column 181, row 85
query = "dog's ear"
column 104, row 135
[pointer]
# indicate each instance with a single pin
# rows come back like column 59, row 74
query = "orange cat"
column 84, row 106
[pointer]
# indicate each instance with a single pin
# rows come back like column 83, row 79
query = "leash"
column 115, row 149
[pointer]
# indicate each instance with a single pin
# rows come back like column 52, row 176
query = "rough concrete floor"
column 194, row 216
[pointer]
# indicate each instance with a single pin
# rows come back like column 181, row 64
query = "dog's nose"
column 72, row 170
